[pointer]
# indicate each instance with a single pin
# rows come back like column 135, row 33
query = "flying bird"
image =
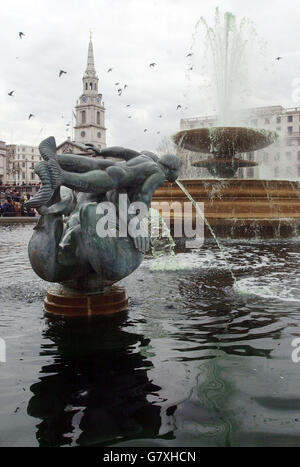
column 119, row 91
column 191, row 68
column 189, row 55
column 157, row 132
column 160, row 116
column 145, row 130
column 30, row 116
column 117, row 84
column 178, row 107
column 152, row 64
column 129, row 116
column 62, row 72
column 125, row 86
column 128, row 105
column 110, row 69
column 11, row 93
column 278, row 58
column 21, row 34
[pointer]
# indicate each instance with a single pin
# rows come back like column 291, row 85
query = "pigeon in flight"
column 11, row 93
column 160, row 116
column 191, row 68
column 62, row 72
column 152, row 64
column 178, row 107
column 129, row 116
column 157, row 132
column 110, row 69
column 189, row 55
column 128, row 105
column 117, row 84
column 30, row 116
column 278, row 58
column 145, row 130
column 125, row 86
column 21, row 34
column 120, row 91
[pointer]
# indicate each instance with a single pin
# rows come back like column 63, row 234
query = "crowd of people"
column 12, row 203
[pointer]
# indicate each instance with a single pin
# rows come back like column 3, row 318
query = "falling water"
column 209, row 227
column 228, row 44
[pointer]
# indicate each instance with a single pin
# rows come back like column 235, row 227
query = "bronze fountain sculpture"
column 93, row 236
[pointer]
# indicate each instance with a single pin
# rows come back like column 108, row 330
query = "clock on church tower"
column 90, row 111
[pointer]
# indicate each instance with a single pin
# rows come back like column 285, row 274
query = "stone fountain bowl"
column 224, row 141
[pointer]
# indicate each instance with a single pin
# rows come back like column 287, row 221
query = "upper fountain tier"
column 224, row 142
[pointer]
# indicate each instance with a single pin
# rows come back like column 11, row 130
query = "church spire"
column 90, row 68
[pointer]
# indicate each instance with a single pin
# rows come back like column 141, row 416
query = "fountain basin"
column 224, row 141
column 239, row 208
column 223, row 167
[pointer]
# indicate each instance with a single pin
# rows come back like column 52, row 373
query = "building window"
column 278, row 128
column 298, row 155
column 250, row 173
column 86, row 86
column 23, row 149
column 277, row 156
column 290, row 118
column 251, row 156
column 289, row 171
column 278, row 120
column 98, row 118
column 23, row 157
column 82, row 134
column 267, row 121
column 83, row 116
column 32, row 176
column 99, row 134
column 290, row 130
column 95, row 87
column 91, row 86
column 276, row 172
column 266, row 157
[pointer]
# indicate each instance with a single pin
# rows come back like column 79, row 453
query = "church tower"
column 90, row 111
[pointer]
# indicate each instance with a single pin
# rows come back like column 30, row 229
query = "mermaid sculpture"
column 76, row 194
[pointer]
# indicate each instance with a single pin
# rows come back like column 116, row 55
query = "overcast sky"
column 128, row 35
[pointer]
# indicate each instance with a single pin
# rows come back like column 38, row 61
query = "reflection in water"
column 96, row 390
column 195, row 363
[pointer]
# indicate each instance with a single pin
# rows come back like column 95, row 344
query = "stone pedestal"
column 62, row 302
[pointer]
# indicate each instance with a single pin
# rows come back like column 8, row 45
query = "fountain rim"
column 232, row 146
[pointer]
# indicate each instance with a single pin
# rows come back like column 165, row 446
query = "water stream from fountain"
column 209, row 227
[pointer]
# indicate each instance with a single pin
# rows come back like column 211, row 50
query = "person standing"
column 7, row 208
